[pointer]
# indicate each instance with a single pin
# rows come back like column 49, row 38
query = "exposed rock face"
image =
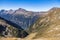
column 48, row 25
column 20, row 16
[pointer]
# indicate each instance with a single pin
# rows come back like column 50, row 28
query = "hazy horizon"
column 30, row 5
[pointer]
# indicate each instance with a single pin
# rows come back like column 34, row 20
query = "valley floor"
column 30, row 38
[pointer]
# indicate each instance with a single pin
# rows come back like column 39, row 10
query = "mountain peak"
column 54, row 8
column 21, row 9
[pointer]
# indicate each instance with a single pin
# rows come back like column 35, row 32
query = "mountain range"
column 45, row 23
column 18, row 20
column 20, row 16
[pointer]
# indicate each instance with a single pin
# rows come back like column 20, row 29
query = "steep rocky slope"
column 10, row 29
column 7, row 30
column 48, row 25
column 20, row 16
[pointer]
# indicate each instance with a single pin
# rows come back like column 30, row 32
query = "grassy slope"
column 48, row 26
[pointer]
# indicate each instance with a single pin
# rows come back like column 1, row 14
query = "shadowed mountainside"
column 5, row 30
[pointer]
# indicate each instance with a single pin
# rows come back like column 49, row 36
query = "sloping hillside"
column 48, row 25
column 10, row 29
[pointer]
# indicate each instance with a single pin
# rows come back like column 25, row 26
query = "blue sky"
column 31, row 5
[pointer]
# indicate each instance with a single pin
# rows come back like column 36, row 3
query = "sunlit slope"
column 48, row 25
